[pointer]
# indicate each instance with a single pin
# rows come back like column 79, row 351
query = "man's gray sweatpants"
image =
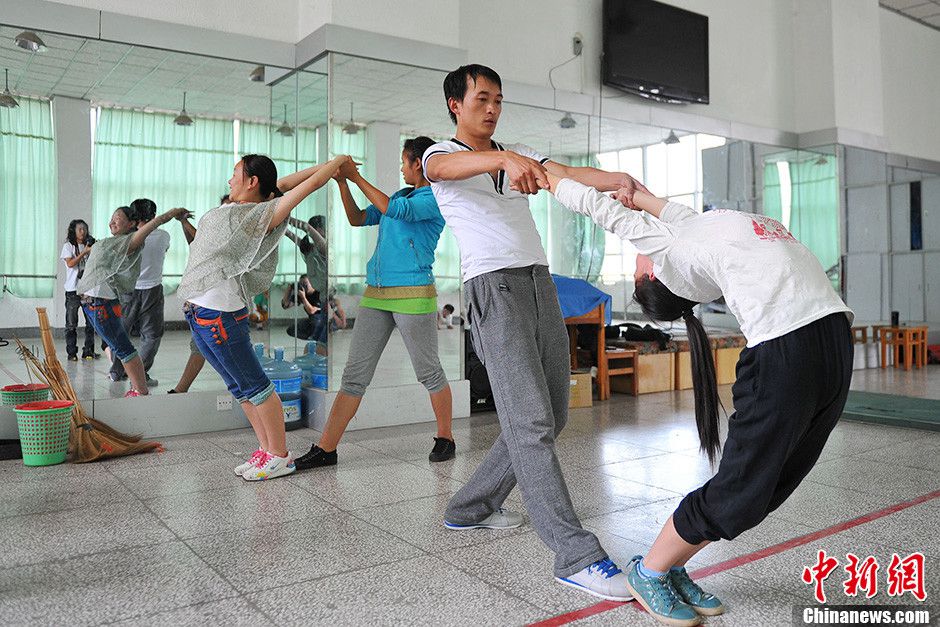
column 519, row 334
column 144, row 307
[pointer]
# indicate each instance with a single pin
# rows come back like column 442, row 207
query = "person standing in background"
column 74, row 253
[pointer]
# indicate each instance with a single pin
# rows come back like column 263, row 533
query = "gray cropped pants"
column 370, row 335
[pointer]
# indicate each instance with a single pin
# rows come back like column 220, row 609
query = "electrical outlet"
column 223, row 402
column 577, row 44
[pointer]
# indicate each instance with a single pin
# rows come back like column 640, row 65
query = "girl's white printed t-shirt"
column 71, row 274
column 771, row 282
column 492, row 223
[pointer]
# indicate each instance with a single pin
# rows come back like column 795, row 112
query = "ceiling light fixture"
column 6, row 98
column 285, row 129
column 352, row 128
column 671, row 138
column 257, row 75
column 28, row 40
column 567, row 121
column 183, row 119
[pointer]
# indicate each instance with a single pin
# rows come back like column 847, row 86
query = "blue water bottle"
column 262, row 358
column 319, row 378
column 308, row 363
column 286, row 378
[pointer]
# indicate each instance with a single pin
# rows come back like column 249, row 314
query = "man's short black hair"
column 144, row 209
column 455, row 83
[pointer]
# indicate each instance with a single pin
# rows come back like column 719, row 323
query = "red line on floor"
column 584, row 612
column 604, row 606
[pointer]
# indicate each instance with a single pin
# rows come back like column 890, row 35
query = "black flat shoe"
column 443, row 450
column 316, row 458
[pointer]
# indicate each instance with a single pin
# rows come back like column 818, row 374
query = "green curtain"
column 350, row 248
column 29, row 243
column 289, row 154
column 814, row 219
column 573, row 243
column 140, row 154
column 814, row 202
column 773, row 203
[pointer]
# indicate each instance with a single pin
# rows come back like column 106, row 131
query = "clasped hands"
column 349, row 169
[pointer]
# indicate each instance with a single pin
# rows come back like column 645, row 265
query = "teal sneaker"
column 702, row 602
column 659, row 597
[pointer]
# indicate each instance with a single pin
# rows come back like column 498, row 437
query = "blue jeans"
column 224, row 340
column 105, row 317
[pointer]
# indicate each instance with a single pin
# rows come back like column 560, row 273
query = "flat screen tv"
column 655, row 50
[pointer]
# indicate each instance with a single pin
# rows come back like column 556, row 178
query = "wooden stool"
column 860, row 335
column 918, row 344
column 617, row 354
column 888, row 336
column 912, row 339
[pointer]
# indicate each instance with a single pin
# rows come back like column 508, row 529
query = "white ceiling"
column 924, row 11
column 146, row 78
column 150, row 79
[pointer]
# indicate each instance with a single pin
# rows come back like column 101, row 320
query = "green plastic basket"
column 13, row 395
column 44, row 431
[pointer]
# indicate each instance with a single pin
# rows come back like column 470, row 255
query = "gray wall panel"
column 867, row 217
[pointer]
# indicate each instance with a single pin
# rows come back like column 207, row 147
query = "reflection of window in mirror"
column 674, row 171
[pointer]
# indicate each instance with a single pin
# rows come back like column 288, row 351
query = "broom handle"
column 45, row 330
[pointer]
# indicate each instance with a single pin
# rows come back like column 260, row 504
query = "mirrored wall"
column 165, row 126
column 338, row 105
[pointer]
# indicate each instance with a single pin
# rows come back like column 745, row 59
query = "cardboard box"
column 581, row 394
column 684, row 370
column 656, row 372
column 726, row 363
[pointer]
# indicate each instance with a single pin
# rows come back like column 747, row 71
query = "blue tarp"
column 578, row 297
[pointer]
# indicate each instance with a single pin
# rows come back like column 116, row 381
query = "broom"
column 91, row 440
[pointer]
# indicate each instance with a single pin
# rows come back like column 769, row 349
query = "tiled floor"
column 176, row 538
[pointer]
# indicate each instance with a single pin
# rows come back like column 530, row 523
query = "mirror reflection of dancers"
column 792, row 378
column 400, row 293
column 112, row 268
column 74, row 253
column 233, row 257
column 309, row 292
column 143, row 307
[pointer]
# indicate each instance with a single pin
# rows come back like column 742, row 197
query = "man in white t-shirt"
column 143, row 308
column 516, row 326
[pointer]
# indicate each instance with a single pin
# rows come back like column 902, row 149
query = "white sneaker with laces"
column 602, row 579
column 500, row 519
column 270, row 466
column 242, row 468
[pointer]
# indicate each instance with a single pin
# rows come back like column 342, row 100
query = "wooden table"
column 596, row 317
column 593, row 317
column 912, row 339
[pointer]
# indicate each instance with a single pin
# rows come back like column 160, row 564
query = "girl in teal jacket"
column 400, row 293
